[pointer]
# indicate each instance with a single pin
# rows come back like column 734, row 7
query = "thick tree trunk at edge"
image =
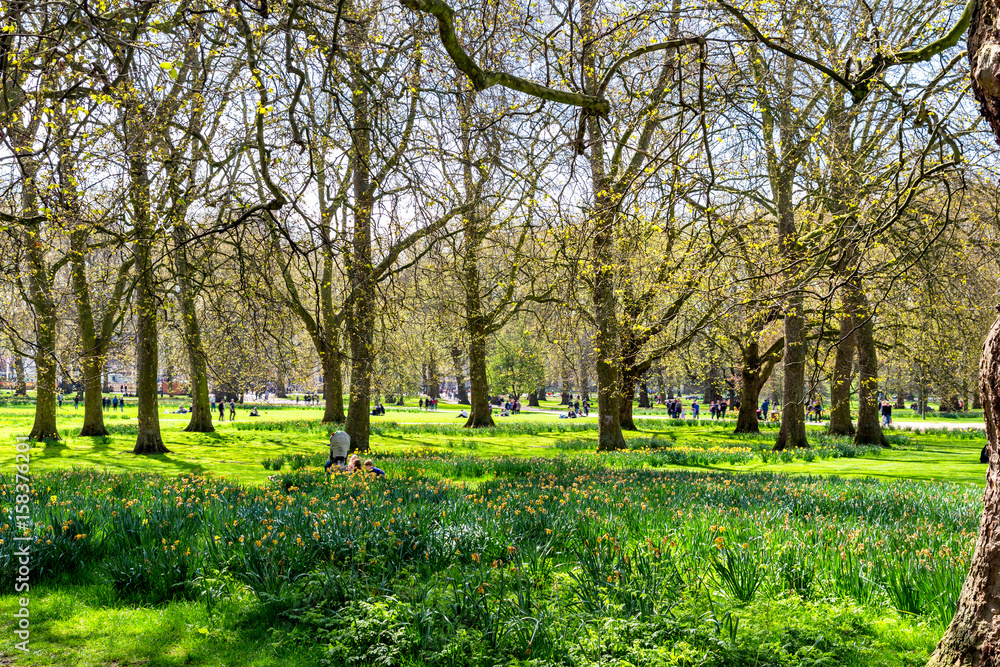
column 973, row 637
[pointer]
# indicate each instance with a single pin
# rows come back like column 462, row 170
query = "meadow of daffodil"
column 563, row 561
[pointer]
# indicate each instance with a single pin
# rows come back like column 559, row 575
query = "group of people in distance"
column 576, row 410
column 675, row 408
column 340, row 446
column 114, row 403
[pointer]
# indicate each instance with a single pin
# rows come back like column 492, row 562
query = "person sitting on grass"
column 464, row 414
column 254, row 413
column 354, row 465
column 370, row 467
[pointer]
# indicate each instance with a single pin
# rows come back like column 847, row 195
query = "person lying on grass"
column 370, row 467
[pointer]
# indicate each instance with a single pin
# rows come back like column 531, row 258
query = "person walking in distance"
column 232, row 409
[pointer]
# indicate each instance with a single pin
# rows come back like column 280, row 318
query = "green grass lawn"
column 84, row 622
column 238, row 453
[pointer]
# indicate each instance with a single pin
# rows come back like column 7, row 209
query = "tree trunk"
column 625, row 408
column 869, row 431
column 148, row 440
column 44, row 427
column 433, row 382
column 750, row 384
column 793, row 420
column 608, row 388
column 566, row 395
column 333, row 381
column 21, row 386
column 643, row 395
column 39, row 288
column 840, row 383
column 93, row 397
column 793, row 423
column 361, row 322
column 746, row 418
column 201, row 405
column 359, row 408
column 456, row 358
column 533, row 398
column 92, row 343
column 582, row 374
column 603, row 217
column 973, row 637
column 712, row 392
column 479, row 414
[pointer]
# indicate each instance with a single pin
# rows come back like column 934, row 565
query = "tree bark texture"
column 21, row 385
column 361, row 321
column 750, row 383
column 629, row 346
column 333, row 380
column 457, row 361
column 603, row 218
column 627, row 382
column 40, row 294
column 793, row 418
column 840, row 384
column 148, row 440
column 201, row 406
column 479, row 414
column 793, row 421
column 533, row 398
column 566, row 396
column 754, row 374
column 643, row 395
column 93, row 343
column 869, row 430
column 44, row 427
column 973, row 637
column 433, row 381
